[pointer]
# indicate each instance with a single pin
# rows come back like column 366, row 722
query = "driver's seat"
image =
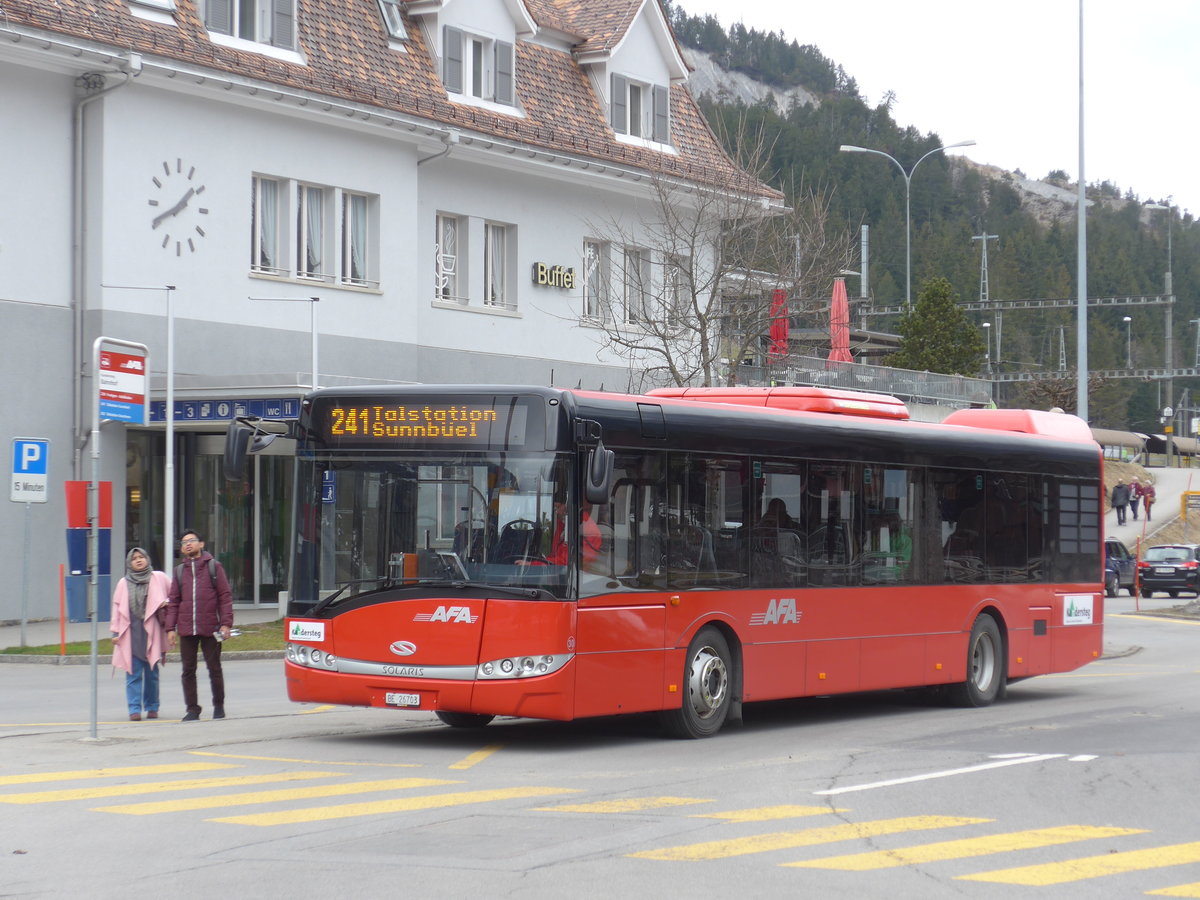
column 518, row 539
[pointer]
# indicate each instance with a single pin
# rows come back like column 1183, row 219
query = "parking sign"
column 30, row 470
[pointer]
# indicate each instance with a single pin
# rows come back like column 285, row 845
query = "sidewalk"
column 47, row 632
column 1169, row 485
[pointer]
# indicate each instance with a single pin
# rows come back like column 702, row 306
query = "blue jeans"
column 141, row 687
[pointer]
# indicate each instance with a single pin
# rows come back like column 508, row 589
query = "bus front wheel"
column 985, row 665
column 463, row 720
column 708, row 695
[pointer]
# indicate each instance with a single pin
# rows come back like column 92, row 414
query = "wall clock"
column 176, row 205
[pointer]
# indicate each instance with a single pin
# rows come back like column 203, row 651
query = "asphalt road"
column 1076, row 785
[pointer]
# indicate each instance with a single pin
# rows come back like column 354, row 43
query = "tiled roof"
column 347, row 57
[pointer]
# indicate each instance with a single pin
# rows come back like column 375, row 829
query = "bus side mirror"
column 242, row 439
column 598, row 478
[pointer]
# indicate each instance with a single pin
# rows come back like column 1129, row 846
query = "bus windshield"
column 374, row 522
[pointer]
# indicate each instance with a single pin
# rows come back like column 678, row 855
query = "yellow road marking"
column 42, row 777
column 1180, row 890
column 312, row 762
column 477, row 757
column 767, row 813
column 1094, row 866
column 398, row 805
column 155, row 787
column 250, row 797
column 317, row 709
column 964, row 849
column 786, row 840
column 635, row 804
column 1145, row 618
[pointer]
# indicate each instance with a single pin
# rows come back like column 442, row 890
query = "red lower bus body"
column 626, row 653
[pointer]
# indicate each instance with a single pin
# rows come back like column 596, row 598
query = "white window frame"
column 393, row 20
column 312, row 204
column 266, row 212
column 635, row 277
column 271, row 22
column 675, row 290
column 356, row 258
column 497, row 292
column 595, row 280
column 478, row 67
column 640, row 109
column 449, row 232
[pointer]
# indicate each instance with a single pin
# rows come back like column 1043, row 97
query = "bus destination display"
column 485, row 423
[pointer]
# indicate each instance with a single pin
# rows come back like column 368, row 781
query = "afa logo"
column 779, row 612
column 447, row 614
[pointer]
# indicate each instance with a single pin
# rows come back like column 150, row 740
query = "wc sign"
column 30, row 470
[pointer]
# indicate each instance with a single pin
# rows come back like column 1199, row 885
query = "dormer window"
column 477, row 66
column 261, row 21
column 392, row 20
column 641, row 110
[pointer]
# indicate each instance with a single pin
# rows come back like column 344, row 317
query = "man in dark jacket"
column 200, row 608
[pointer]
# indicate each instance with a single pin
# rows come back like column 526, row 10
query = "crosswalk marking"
column 406, row 804
column 43, row 777
column 1093, row 866
column 963, row 849
column 283, row 794
column 310, row 762
column 156, row 787
column 769, row 813
column 635, row 804
column 786, row 840
column 477, row 757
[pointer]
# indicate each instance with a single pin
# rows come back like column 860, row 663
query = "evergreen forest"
column 952, row 203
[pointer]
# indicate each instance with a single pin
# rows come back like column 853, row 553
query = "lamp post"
column 312, row 323
column 1128, row 320
column 1169, row 207
column 851, row 148
column 987, row 336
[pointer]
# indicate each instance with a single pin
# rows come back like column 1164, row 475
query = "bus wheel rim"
column 709, row 683
column 983, row 662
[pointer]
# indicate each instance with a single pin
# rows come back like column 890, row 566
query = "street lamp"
column 1128, row 320
column 987, row 336
column 1168, row 283
column 851, row 148
column 312, row 302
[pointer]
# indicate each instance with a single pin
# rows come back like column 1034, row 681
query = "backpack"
column 212, row 573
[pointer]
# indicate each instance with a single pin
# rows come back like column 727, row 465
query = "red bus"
column 481, row 551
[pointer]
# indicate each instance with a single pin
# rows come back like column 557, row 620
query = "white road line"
column 966, row 770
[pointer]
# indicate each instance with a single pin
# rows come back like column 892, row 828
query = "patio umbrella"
column 779, row 326
column 839, row 324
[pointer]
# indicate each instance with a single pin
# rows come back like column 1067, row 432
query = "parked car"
column 1172, row 568
column 1120, row 568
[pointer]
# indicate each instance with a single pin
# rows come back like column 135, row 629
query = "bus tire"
column 709, row 679
column 986, row 665
column 463, row 720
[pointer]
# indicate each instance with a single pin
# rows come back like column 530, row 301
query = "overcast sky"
column 1006, row 75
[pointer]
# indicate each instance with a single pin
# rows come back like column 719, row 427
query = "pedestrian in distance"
column 139, row 611
column 200, row 618
column 1135, row 496
column 1120, row 499
column 1148, row 498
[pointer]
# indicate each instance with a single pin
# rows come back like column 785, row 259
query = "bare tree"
column 684, row 289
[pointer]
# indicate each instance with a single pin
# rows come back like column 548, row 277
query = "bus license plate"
column 393, row 699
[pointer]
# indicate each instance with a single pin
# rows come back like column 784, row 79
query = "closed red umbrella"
column 779, row 326
column 839, row 324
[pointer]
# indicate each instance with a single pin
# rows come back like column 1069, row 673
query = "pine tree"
column 936, row 336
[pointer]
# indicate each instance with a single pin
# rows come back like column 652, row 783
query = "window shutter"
column 283, row 23
column 504, row 73
column 218, row 16
column 662, row 114
column 617, row 105
column 452, row 59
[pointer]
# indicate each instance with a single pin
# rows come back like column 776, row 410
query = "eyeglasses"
column 189, row 541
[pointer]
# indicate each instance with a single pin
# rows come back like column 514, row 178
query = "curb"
column 49, row 660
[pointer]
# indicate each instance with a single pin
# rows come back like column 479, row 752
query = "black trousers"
column 211, row 647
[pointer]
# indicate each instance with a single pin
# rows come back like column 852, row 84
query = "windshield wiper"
column 530, row 593
column 336, row 596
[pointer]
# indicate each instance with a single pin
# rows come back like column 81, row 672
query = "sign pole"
column 25, row 571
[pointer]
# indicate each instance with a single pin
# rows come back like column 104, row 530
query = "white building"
column 430, row 171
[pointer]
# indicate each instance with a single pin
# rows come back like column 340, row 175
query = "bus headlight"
column 522, row 666
column 311, row 657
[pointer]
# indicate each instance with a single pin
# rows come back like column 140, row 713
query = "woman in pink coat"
column 139, row 606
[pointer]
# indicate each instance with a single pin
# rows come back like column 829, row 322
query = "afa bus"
column 481, row 551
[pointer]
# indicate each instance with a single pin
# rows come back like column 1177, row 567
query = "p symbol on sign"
column 30, row 454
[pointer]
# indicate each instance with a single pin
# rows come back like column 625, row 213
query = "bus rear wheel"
column 463, row 720
column 986, row 665
column 708, row 697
